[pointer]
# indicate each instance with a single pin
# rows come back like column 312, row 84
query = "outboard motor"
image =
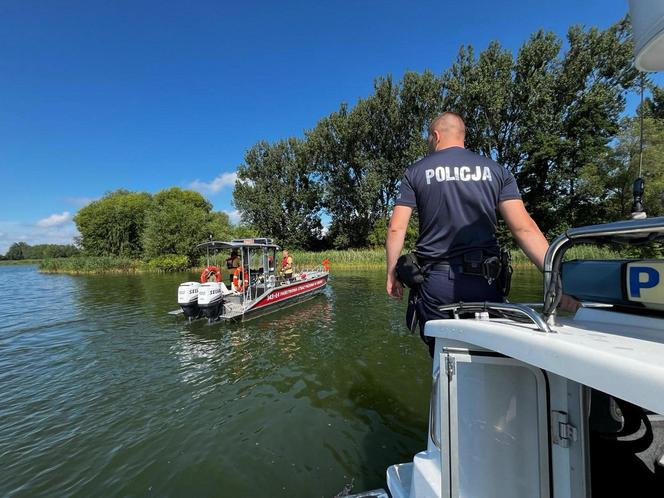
column 211, row 299
column 188, row 299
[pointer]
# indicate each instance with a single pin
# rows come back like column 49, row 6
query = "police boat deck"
column 254, row 287
column 531, row 404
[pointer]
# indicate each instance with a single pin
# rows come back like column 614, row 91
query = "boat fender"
column 208, row 271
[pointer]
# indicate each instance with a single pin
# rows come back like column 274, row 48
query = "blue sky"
column 99, row 95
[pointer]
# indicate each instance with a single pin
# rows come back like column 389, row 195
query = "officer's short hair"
column 441, row 117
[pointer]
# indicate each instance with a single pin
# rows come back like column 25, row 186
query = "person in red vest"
column 287, row 266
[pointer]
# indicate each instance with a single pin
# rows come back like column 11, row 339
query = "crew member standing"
column 287, row 266
column 456, row 193
column 232, row 263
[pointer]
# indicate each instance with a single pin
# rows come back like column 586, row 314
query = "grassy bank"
column 349, row 259
column 375, row 258
column 88, row 264
column 12, row 262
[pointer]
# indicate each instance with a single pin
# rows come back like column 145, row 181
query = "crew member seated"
column 287, row 266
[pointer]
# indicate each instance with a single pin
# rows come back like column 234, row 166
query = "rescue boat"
column 254, row 286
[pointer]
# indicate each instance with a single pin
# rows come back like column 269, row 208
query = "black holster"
column 409, row 271
column 493, row 268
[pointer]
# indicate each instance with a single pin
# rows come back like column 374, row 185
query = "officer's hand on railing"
column 394, row 287
column 568, row 303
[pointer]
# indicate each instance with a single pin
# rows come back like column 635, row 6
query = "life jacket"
column 286, row 265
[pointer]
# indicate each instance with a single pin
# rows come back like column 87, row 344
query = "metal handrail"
column 504, row 310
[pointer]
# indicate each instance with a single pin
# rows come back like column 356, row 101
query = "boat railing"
column 631, row 232
column 512, row 311
column 297, row 270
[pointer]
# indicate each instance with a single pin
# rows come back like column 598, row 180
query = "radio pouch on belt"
column 409, row 271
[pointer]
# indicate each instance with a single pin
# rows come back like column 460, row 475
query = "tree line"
column 22, row 250
column 139, row 225
column 553, row 114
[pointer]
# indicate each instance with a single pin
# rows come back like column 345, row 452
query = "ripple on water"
column 103, row 393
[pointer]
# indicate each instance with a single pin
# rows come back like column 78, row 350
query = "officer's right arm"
column 396, row 234
column 524, row 230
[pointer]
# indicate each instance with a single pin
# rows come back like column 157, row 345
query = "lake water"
column 104, row 394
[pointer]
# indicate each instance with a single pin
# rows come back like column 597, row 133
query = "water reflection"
column 103, row 392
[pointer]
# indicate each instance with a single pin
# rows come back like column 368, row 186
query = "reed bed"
column 13, row 262
column 348, row 259
column 90, row 264
column 375, row 258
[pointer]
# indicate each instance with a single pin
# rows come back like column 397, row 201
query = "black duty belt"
column 440, row 266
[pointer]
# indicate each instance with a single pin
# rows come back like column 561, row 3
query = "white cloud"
column 55, row 220
column 233, row 216
column 221, row 181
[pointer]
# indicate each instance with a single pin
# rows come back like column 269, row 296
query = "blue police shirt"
column 456, row 193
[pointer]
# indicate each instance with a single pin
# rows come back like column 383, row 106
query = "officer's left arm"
column 396, row 234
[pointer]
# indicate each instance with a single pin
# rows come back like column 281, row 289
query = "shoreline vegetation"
column 14, row 262
column 361, row 259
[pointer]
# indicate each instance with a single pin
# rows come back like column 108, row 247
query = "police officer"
column 456, row 193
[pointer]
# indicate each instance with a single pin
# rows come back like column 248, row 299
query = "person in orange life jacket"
column 287, row 266
column 232, row 263
column 457, row 194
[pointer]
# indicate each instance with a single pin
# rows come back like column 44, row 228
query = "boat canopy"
column 255, row 243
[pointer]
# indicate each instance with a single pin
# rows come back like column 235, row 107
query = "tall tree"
column 622, row 168
column 113, row 225
column 549, row 115
column 178, row 221
column 17, row 251
column 362, row 153
column 278, row 193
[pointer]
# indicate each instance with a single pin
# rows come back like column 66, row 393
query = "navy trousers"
column 450, row 286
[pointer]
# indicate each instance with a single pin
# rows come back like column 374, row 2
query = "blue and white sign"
column 645, row 283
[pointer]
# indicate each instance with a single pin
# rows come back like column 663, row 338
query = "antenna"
column 639, row 184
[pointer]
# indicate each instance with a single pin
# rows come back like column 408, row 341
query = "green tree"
column 178, row 221
column 278, row 193
column 17, row 251
column 362, row 153
column 622, row 168
column 113, row 225
column 549, row 116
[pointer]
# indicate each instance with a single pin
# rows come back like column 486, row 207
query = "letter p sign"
column 641, row 277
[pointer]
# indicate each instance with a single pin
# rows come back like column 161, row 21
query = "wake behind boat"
column 254, row 287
